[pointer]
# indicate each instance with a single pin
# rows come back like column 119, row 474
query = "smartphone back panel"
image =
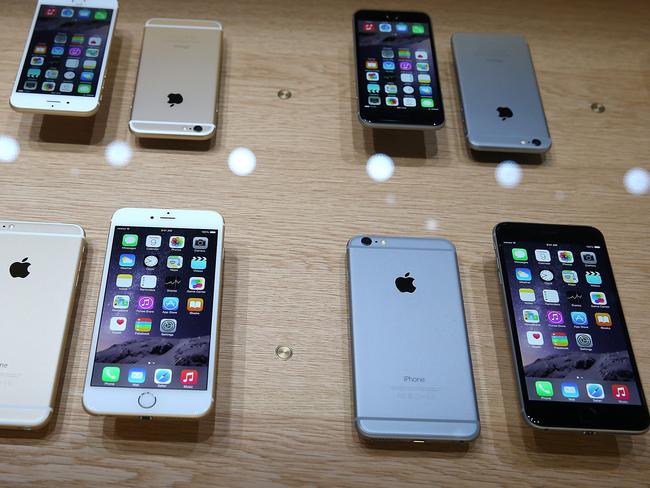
column 500, row 99
column 178, row 79
column 38, row 278
column 412, row 368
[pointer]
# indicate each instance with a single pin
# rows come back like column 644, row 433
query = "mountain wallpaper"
column 189, row 351
column 613, row 366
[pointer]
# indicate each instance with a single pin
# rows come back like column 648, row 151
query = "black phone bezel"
column 565, row 415
column 379, row 116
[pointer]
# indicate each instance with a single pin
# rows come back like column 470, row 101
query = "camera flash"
column 383, row 242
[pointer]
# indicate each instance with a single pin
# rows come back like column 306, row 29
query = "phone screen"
column 569, row 323
column 397, row 70
column 156, row 317
column 66, row 51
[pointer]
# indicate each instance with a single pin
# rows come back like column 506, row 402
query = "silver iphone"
column 413, row 376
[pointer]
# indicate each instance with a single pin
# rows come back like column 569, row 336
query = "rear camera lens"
column 198, row 128
column 536, row 142
column 366, row 241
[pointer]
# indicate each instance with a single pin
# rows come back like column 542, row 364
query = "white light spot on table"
column 380, row 167
column 242, row 161
column 431, row 224
column 508, row 174
column 9, row 149
column 119, row 154
column 637, row 181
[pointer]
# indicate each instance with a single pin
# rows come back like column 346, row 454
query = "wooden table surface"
column 289, row 423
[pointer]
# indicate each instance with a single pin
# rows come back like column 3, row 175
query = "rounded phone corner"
column 89, row 113
column 352, row 239
column 81, row 233
column 365, row 122
column 133, row 129
column 88, row 408
column 473, row 435
column 364, row 432
column 15, row 106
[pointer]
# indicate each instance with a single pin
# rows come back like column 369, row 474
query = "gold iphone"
column 64, row 62
column 177, row 91
column 38, row 279
column 155, row 341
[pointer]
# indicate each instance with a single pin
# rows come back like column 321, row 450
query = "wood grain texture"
column 290, row 423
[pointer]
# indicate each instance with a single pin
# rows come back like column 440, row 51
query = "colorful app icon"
column 405, row 66
column 168, row 326
column 33, row 73
column 565, row 257
column 593, row 278
column 387, row 53
column 372, row 76
column 37, row 61
column 584, row 340
column 111, row 374
column 153, row 241
column 195, row 304
column 74, row 51
column 48, row 86
column 570, row 390
column 197, row 283
column 50, row 11
column 162, row 376
column 384, row 27
column 401, row 27
column 199, row 262
column 129, row 240
column 574, row 297
column 87, row 76
column 403, row 53
column 588, row 257
column 175, row 262
column 519, row 254
column 542, row 255
column 390, row 88
column 535, row 338
column 118, row 324
column 546, row 275
column 127, row 260
column 121, row 301
column 551, row 296
column 92, row 52
column 84, row 13
column 569, row 276
column 620, row 392
column 406, row 77
column 40, row 49
column 95, row 41
column 137, row 375
column 90, row 64
column 598, row 298
column 559, row 339
column 372, row 88
column 30, row 85
column 408, row 90
column 72, row 63
column 526, row 294
column 148, row 281
column 523, row 274
column 172, row 282
column 424, row 78
column 409, row 102
column 77, row 39
column 595, row 391
column 170, row 304
column 52, row 74
column 60, row 38
column 143, row 324
column 124, row 280
column 189, row 377
column 146, row 302
column 426, row 90
column 388, row 65
column 544, row 389
column 369, row 27
column 374, row 100
column 67, row 12
column 579, row 318
column 417, row 29
column 84, row 88
column 422, row 66
column 392, row 101
column 421, row 55
column 426, row 102
column 372, row 64
column 555, row 317
column 531, row 316
column 151, row 261
column 66, row 87
column 603, row 320
column 58, row 50
column 101, row 15
column 69, row 75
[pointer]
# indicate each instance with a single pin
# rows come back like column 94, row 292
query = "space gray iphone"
column 500, row 100
column 412, row 367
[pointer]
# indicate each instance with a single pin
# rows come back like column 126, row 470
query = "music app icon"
column 189, row 377
column 620, row 392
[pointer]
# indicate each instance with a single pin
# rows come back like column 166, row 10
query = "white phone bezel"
column 64, row 104
column 102, row 400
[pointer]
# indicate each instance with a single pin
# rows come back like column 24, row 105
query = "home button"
column 146, row 400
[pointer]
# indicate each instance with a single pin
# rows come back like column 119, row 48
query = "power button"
column 146, row 400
